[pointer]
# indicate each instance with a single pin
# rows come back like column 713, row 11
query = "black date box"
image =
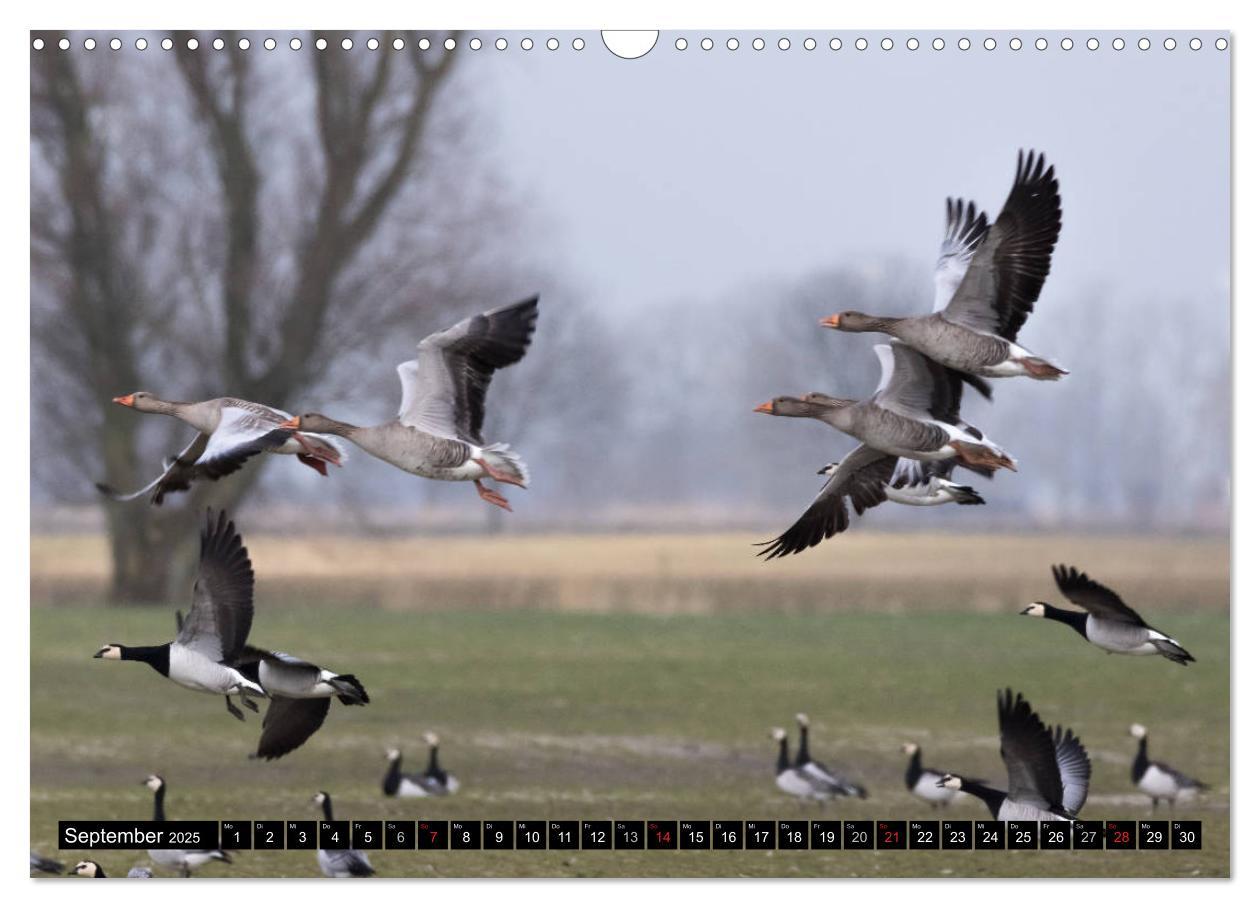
column 1055, row 835
column 236, row 835
column 826, row 835
column 793, row 835
column 400, row 835
column 531, row 835
column 562, row 835
column 366, row 835
column 300, row 835
column 597, row 835
column 465, row 835
column 497, row 835
column 890, row 835
column 1187, row 835
column 268, row 835
column 924, row 835
column 334, row 835
column 695, row 835
column 630, row 834
column 1121, row 835
column 1152, row 835
column 728, row 835
column 662, row 835
column 990, row 835
column 859, row 835
column 1021, row 835
column 759, row 834
column 957, row 835
column 1088, row 835
column 433, row 835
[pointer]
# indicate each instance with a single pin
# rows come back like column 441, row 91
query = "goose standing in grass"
column 182, row 860
column 229, row 432
column 1159, row 780
column 866, row 477
column 41, row 864
column 437, row 433
column 987, row 281
column 1106, row 622
column 811, row 767
column 922, row 782
column 212, row 638
column 913, row 413
column 343, row 862
column 794, row 781
column 301, row 694
column 434, row 781
column 1047, row 773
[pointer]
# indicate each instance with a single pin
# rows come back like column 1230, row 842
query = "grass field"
column 550, row 712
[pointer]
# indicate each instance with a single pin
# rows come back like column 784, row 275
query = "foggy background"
column 687, row 217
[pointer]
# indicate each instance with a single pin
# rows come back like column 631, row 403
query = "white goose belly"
column 295, row 683
column 1014, row 810
column 1126, row 640
column 927, row 789
column 1158, row 784
column 195, row 672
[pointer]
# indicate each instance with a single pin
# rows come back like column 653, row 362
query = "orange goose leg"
column 492, row 496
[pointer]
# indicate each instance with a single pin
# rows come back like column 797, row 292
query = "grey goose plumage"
column 229, row 432
column 437, row 433
column 1047, row 772
column 1159, row 781
column 987, row 281
column 181, row 860
column 209, row 643
column 795, row 781
column 1106, row 622
column 341, row 862
column 434, row 781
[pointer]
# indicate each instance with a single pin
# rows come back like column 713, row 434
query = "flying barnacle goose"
column 1106, row 622
column 433, row 781
column 345, row 862
column 923, row 782
column 811, row 767
column 1047, row 774
column 301, row 694
column 211, row 639
column 1159, row 780
column 796, row 781
column 182, row 860
column 41, row 864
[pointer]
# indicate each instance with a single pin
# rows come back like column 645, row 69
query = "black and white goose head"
column 909, row 748
column 154, row 783
column 950, row 781
column 1137, row 731
column 1035, row 609
column 88, row 869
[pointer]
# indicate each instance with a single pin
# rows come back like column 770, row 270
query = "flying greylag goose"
column 434, row 781
column 342, row 862
column 811, row 767
column 987, row 280
column 210, row 641
column 1047, row 773
column 182, row 860
column 912, row 414
column 797, row 782
column 437, row 434
column 1159, row 780
column 1106, row 622
column 922, row 782
column 229, row 432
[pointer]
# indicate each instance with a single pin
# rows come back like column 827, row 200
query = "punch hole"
column 578, row 44
column 552, row 44
column 218, row 44
column 836, row 43
column 527, row 44
column 938, row 44
column 1196, row 44
column 732, row 44
column 1221, row 44
column 167, row 44
column 1092, row 44
column 269, row 43
column 449, row 43
column 1170, row 44
column 759, row 44
column 912, row 43
column 474, row 43
column 501, row 44
column 296, row 44
column 1118, row 44
column 1041, row 44
column 424, row 44
column 784, row 44
column 810, row 43
column 860, row 44
column 630, row 44
column 38, row 44
column 372, row 44
column 990, row 44
column 1066, row 44
column 89, row 44
column 706, row 44
column 886, row 44
column 1144, row 43
column 141, row 44
column 115, row 44
column 1016, row 44
column 964, row 43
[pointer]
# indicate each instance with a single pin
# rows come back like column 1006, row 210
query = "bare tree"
column 211, row 222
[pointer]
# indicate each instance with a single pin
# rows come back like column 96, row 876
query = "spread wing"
column 444, row 387
column 1074, row 769
column 1093, row 596
column 289, row 723
column 915, row 386
column 222, row 610
column 1029, row 754
column 965, row 230
column 1007, row 271
column 861, row 476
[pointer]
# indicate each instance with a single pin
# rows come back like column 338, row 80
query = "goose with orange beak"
column 229, row 432
column 437, row 433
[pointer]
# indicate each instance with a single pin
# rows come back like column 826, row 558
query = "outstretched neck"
column 325, row 426
column 802, row 752
column 157, row 657
column 1074, row 620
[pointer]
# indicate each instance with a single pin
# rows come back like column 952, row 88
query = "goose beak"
column 127, row 400
column 291, row 422
column 831, row 321
column 767, row 407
